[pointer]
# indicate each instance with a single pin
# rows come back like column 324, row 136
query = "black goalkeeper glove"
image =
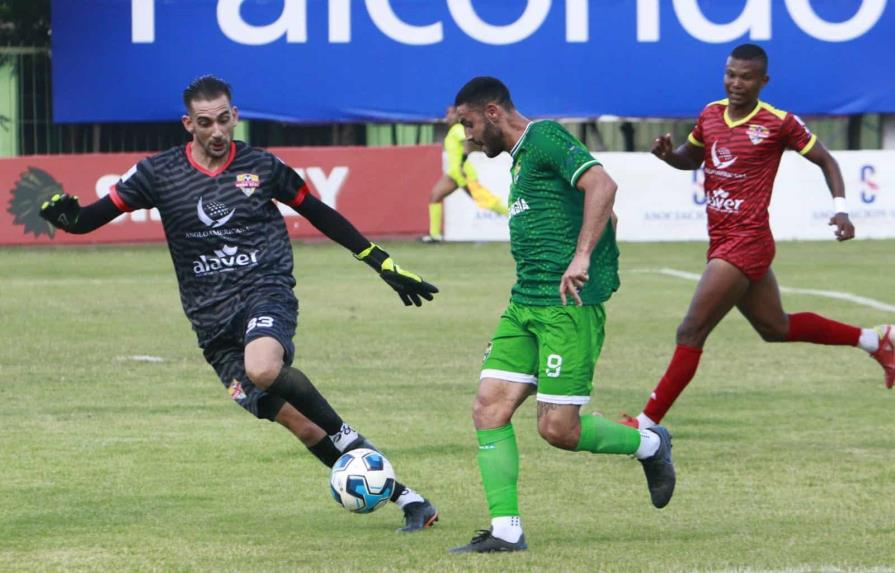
column 410, row 287
column 61, row 211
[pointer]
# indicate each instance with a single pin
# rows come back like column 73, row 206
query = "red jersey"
column 741, row 160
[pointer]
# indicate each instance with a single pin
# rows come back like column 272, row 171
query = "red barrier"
column 382, row 190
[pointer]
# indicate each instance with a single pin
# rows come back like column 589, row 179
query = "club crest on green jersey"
column 487, row 351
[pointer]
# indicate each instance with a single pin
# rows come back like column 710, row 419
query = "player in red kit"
column 741, row 139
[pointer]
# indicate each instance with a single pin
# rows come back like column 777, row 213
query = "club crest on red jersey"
column 248, row 183
column 757, row 133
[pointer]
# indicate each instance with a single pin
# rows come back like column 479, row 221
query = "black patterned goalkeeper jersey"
column 225, row 234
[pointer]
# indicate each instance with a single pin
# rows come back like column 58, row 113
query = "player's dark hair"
column 205, row 88
column 750, row 52
column 484, row 90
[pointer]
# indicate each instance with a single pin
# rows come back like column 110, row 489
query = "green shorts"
column 553, row 347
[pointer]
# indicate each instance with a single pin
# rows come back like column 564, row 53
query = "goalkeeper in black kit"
column 233, row 261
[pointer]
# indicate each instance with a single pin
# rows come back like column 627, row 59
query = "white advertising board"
column 658, row 203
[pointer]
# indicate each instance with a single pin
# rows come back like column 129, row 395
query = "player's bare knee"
column 689, row 333
column 557, row 435
column 482, row 412
column 490, row 413
column 775, row 332
column 262, row 373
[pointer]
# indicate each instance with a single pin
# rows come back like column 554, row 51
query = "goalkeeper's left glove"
column 61, row 211
column 410, row 287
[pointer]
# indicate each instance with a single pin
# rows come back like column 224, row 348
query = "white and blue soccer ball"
column 362, row 480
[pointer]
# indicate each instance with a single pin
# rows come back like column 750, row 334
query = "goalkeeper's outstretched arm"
column 64, row 212
column 410, row 287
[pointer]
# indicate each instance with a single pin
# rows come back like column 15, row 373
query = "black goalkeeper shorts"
column 273, row 314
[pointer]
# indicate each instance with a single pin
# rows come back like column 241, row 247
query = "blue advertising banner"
column 404, row 60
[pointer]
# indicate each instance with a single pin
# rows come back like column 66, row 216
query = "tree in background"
column 25, row 23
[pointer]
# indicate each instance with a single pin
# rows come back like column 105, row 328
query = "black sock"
column 399, row 489
column 294, row 387
column 325, row 451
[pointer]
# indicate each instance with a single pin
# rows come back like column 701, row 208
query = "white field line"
column 811, row 569
column 61, row 281
column 838, row 295
column 846, row 296
column 141, row 358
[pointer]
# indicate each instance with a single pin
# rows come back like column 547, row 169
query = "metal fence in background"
column 28, row 119
column 849, row 132
column 26, row 126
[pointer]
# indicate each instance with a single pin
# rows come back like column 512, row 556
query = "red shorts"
column 752, row 254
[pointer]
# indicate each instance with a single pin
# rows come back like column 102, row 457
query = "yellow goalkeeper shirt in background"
column 454, row 145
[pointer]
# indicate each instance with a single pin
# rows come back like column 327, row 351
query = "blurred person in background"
column 461, row 174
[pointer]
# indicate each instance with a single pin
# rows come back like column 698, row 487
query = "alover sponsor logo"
column 719, row 200
column 224, row 259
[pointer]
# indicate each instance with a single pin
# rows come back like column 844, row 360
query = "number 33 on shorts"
column 262, row 321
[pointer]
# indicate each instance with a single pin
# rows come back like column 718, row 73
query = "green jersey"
column 546, row 212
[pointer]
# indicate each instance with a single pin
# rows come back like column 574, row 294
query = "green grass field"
column 784, row 452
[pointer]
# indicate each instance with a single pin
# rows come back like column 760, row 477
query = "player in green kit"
column 564, row 247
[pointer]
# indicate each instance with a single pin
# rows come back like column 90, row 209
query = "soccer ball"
column 362, row 480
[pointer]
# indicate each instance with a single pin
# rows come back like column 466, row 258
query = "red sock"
column 810, row 327
column 679, row 373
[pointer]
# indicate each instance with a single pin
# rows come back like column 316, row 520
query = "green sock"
column 602, row 436
column 499, row 465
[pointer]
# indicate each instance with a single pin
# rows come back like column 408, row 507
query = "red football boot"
column 885, row 354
